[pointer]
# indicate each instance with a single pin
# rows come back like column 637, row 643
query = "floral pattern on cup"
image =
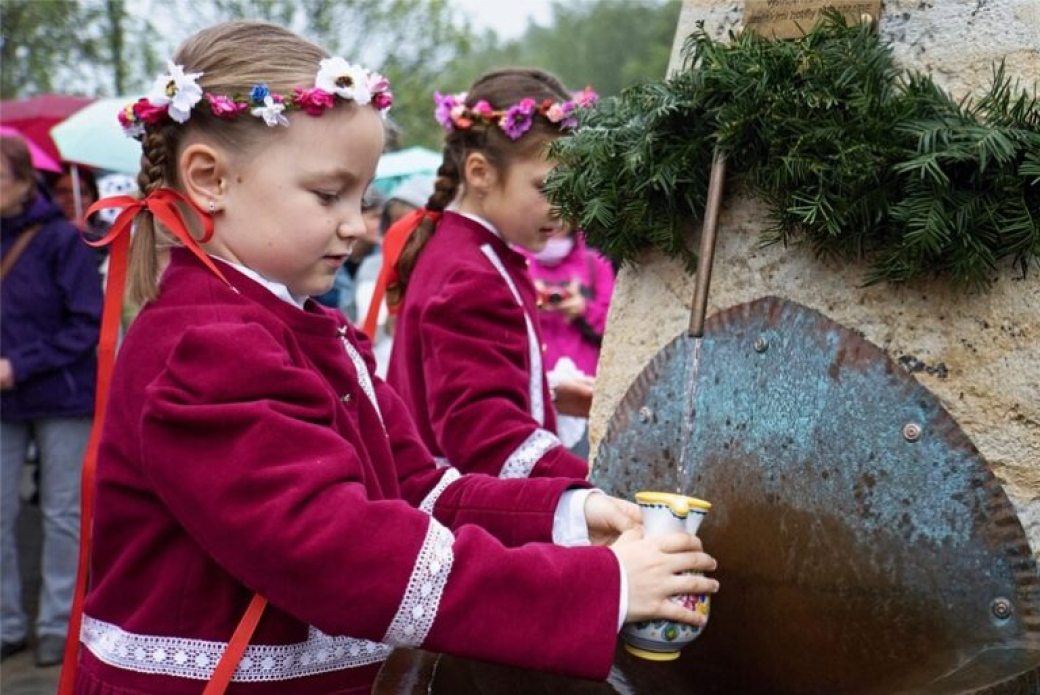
column 661, row 640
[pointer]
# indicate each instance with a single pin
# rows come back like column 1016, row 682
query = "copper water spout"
column 706, row 254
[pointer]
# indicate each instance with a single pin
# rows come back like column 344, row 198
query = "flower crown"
column 453, row 114
column 176, row 93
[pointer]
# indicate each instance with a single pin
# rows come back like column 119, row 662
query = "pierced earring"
column 212, row 206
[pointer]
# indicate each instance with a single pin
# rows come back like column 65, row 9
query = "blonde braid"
column 143, row 275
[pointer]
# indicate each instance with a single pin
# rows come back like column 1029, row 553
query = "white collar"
column 479, row 220
column 276, row 288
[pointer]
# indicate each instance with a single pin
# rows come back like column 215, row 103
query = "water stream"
column 693, row 364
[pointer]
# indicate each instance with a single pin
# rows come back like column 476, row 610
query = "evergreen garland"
column 853, row 156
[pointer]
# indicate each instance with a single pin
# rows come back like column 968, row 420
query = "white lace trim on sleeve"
column 449, row 477
column 523, row 459
column 422, row 596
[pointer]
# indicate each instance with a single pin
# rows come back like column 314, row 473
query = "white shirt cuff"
column 570, row 529
column 623, row 603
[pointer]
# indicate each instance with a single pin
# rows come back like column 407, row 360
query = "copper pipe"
column 706, row 254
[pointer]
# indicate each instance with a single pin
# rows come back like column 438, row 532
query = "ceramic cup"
column 661, row 640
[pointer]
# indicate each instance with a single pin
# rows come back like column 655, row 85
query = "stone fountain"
column 873, row 454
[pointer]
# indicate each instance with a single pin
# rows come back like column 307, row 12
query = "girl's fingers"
column 696, row 561
column 632, row 510
column 678, row 543
column 694, row 584
column 673, row 611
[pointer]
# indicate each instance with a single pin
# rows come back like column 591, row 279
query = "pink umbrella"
column 40, row 159
column 35, row 116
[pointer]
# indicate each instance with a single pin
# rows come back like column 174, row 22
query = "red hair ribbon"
column 162, row 203
column 393, row 244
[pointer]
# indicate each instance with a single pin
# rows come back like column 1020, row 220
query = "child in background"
column 343, row 294
column 468, row 354
column 374, row 319
column 574, row 283
column 249, row 458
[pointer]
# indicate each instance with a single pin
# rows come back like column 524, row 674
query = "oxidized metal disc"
column 864, row 545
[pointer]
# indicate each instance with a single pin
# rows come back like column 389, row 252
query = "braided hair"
column 501, row 89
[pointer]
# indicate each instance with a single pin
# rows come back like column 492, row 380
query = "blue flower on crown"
column 258, row 93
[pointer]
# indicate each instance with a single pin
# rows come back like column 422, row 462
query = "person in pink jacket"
column 574, row 283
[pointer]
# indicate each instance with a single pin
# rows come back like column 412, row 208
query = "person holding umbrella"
column 50, row 316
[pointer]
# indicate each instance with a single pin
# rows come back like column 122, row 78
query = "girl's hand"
column 654, row 567
column 608, row 517
column 574, row 397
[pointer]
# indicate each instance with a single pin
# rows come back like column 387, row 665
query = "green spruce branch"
column 854, row 157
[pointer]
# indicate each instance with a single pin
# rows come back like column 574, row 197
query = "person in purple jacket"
column 51, row 316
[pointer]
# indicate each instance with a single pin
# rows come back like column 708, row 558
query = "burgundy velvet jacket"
column 467, row 358
column 247, row 448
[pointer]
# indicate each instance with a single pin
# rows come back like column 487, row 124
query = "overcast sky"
column 507, row 17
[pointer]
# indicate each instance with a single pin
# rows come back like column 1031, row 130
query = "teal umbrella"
column 92, row 136
column 396, row 167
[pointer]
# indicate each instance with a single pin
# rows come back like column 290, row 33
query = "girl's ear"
column 203, row 170
column 478, row 174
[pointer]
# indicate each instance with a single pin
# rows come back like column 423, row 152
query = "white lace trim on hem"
column 196, row 659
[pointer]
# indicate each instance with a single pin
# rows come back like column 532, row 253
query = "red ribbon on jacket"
column 163, row 204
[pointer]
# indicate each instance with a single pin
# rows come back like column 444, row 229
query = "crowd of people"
column 265, row 462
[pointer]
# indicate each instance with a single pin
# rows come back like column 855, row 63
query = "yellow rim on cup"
column 652, row 656
column 679, row 504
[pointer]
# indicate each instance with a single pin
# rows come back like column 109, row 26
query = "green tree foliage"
column 105, row 47
column 89, row 48
column 853, row 156
column 33, row 33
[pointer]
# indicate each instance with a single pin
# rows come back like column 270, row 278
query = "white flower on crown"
column 345, row 80
column 271, row 112
column 178, row 90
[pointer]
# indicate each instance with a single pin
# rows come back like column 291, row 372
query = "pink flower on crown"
column 557, row 112
column 445, row 103
column 458, row 116
column 223, row 106
column 132, row 125
column 483, row 109
column 383, row 100
column 150, row 113
column 518, row 119
column 377, row 83
column 313, row 101
column 586, row 98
